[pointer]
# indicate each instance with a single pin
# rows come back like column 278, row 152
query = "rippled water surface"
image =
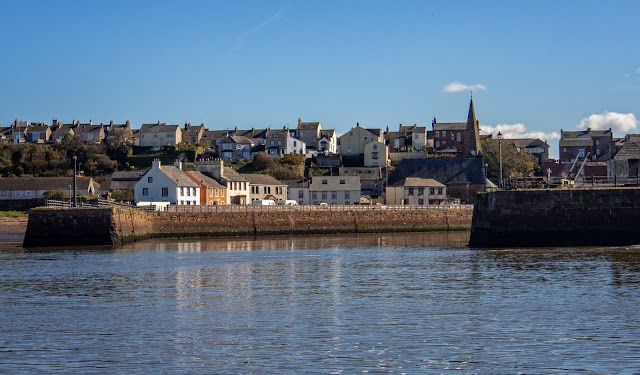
column 400, row 303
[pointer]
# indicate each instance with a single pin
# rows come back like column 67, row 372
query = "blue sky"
column 537, row 66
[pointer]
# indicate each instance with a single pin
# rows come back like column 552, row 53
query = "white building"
column 167, row 184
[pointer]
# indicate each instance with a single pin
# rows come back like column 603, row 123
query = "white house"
column 167, row 183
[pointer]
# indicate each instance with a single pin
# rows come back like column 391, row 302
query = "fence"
column 92, row 203
column 309, row 208
column 515, row 183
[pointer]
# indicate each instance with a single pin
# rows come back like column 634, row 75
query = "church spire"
column 472, row 133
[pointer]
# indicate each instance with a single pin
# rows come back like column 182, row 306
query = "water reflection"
column 401, row 303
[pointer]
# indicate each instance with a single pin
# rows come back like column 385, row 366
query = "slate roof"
column 629, row 150
column 230, row 174
column 205, row 180
column 43, row 183
column 526, row 142
column 377, row 132
column 450, row 126
column 178, row 176
column 297, row 184
column 327, row 133
column 237, row 139
column 418, row 182
column 261, row 179
column 158, row 128
column 308, row 125
column 444, row 170
column 123, row 180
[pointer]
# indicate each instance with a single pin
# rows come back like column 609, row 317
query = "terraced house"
column 160, row 134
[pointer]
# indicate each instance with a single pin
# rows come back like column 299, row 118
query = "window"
column 300, row 193
column 347, row 195
column 169, row 135
column 181, row 202
column 314, row 195
column 216, row 192
column 437, row 144
column 324, row 182
column 28, row 192
column 459, row 137
column 4, row 193
column 421, row 201
column 334, row 195
column 194, row 192
column 374, row 155
column 18, row 193
column 420, row 191
column 349, row 148
column 155, row 135
column 181, row 192
column 350, row 133
column 188, row 192
column 416, row 136
column 141, row 136
column 375, row 164
column 324, row 195
column 444, row 134
column 273, row 142
column 145, row 191
column 150, row 180
column 165, row 192
column 279, row 143
column 597, row 142
column 410, row 191
column 342, row 182
column 437, row 133
column 371, row 183
column 301, row 133
column 597, row 151
column 439, row 191
column 432, row 191
column 375, row 147
column 89, row 136
column 188, row 203
column 295, row 144
column 453, row 136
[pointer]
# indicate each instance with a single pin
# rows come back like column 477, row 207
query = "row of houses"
column 372, row 145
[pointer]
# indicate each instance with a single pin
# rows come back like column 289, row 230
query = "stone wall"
column 559, row 217
column 116, row 226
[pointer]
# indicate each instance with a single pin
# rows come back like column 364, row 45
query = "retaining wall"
column 115, row 226
column 558, row 217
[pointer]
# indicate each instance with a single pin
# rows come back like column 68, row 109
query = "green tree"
column 514, row 163
column 119, row 144
column 262, row 161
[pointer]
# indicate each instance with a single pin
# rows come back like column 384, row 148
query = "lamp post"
column 75, row 194
column 500, row 152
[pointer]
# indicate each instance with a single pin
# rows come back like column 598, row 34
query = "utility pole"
column 75, row 186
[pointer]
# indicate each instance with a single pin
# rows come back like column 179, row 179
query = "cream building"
column 416, row 191
column 376, row 154
column 334, row 190
column 352, row 142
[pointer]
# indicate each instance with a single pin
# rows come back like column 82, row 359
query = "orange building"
column 211, row 191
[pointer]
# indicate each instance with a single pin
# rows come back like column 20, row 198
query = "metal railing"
column 90, row 203
column 309, row 208
column 515, row 183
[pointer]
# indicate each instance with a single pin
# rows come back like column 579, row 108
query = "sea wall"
column 558, row 217
column 115, row 226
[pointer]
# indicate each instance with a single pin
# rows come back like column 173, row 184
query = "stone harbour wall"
column 115, row 226
column 557, row 217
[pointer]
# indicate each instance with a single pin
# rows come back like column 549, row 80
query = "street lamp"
column 75, row 195
column 500, row 151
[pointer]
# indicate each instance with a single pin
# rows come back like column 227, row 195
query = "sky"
column 535, row 67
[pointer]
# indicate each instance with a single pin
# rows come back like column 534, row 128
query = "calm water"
column 401, row 303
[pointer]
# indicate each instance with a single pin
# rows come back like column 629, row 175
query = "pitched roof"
column 327, row 133
column 630, row 150
column 236, row 139
column 230, row 174
column 418, row 182
column 526, row 142
column 444, row 170
column 158, row 128
column 178, row 176
column 450, row 126
column 205, row 180
column 308, row 125
column 129, row 175
column 297, row 184
column 43, row 183
column 261, row 179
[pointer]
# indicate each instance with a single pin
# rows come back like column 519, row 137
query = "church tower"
column 472, row 146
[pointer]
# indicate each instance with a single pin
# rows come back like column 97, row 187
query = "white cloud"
column 618, row 122
column 510, row 131
column 638, row 70
column 456, row 86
